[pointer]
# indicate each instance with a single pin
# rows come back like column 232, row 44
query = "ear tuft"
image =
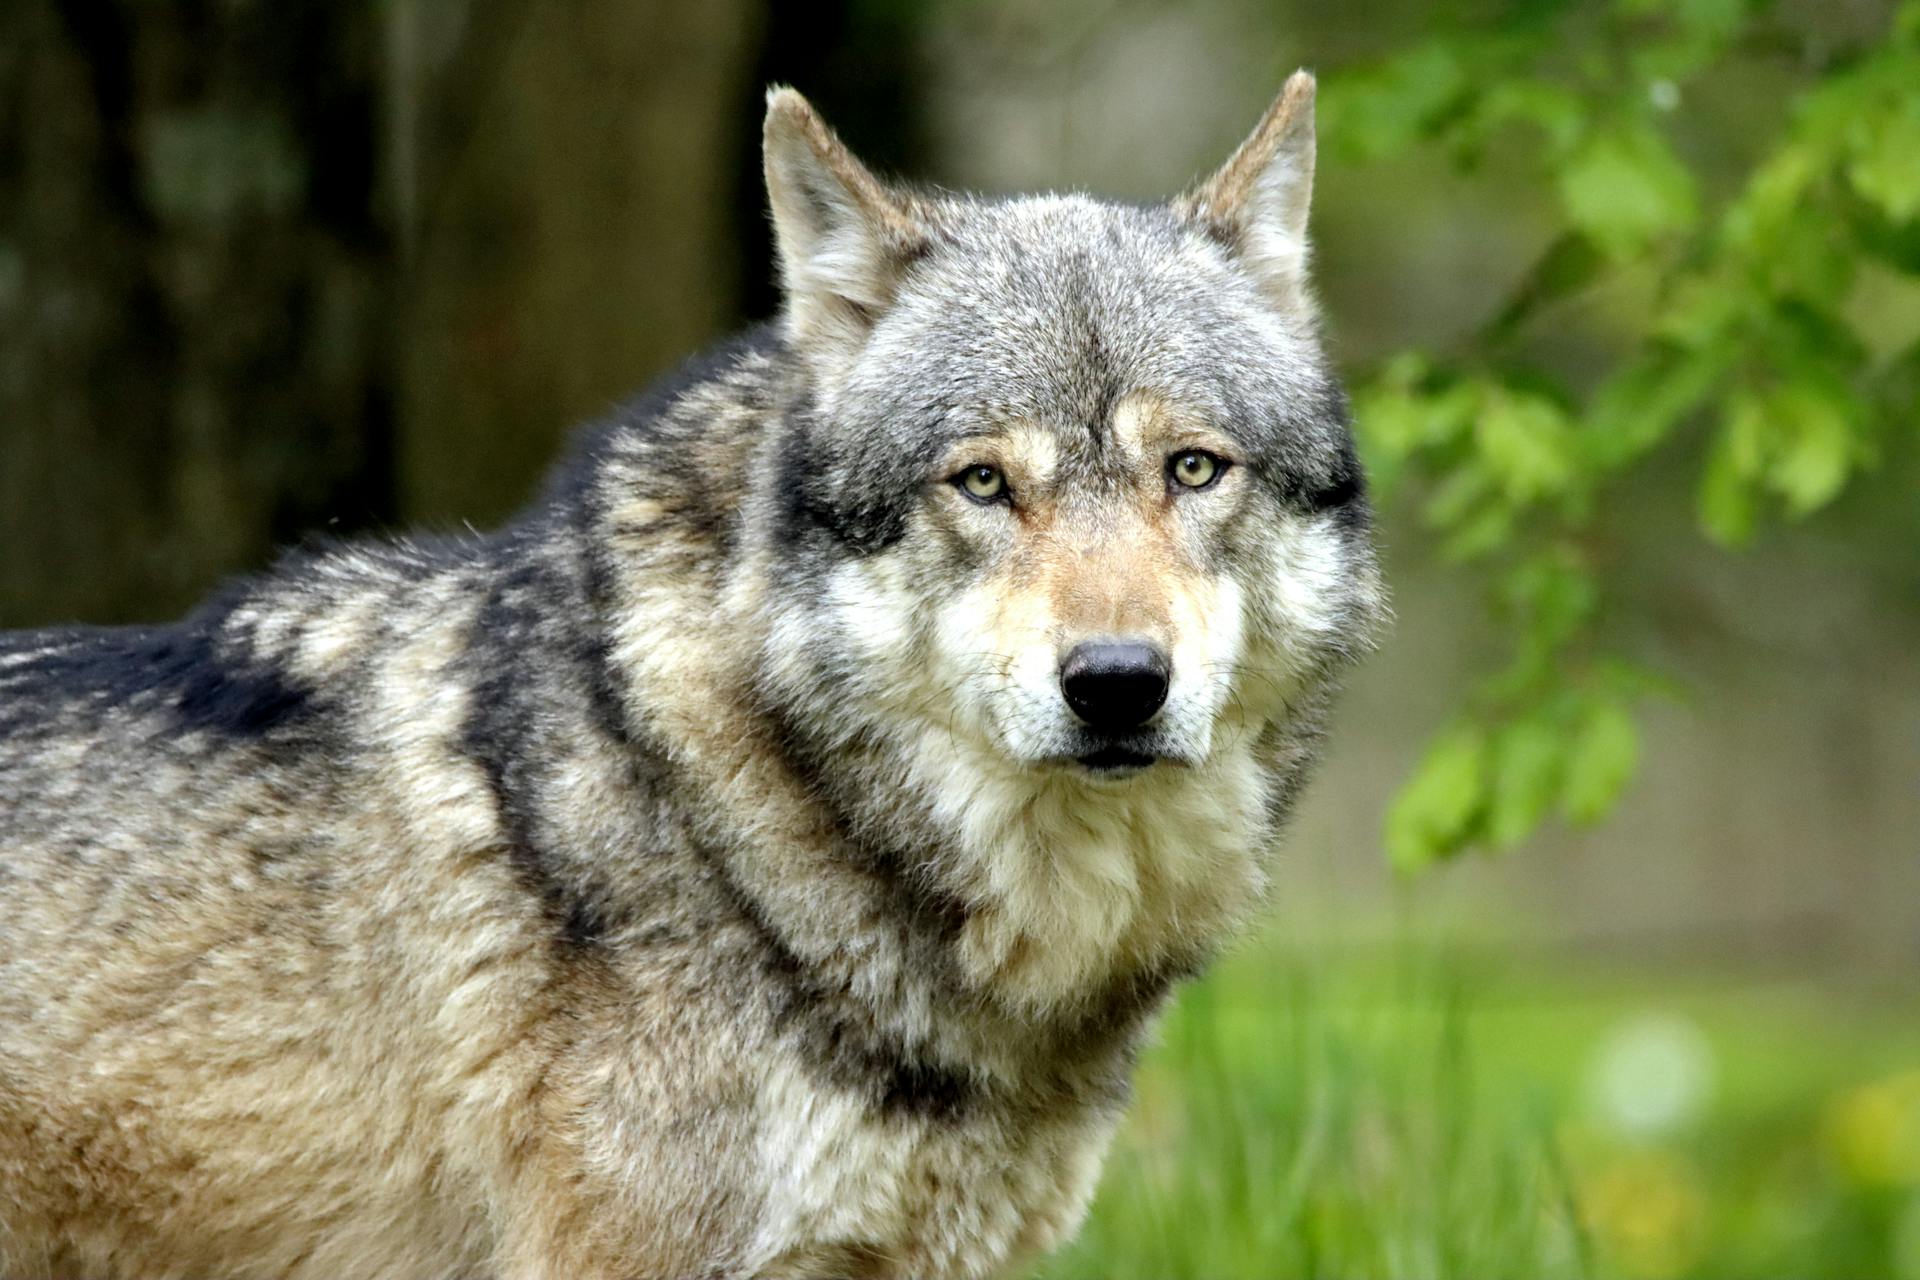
column 844, row 238
column 1257, row 203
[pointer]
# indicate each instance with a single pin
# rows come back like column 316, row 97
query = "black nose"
column 1114, row 685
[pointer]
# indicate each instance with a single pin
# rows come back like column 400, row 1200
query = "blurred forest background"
column 1607, row 274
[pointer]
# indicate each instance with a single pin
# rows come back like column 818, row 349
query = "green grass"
column 1313, row 1111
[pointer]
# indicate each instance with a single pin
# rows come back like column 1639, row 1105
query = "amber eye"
column 983, row 483
column 1194, row 469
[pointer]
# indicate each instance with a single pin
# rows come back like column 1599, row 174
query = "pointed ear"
column 844, row 239
column 1256, row 205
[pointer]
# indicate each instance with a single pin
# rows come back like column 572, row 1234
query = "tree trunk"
column 573, row 230
column 190, row 273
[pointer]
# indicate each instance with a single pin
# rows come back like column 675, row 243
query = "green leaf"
column 1886, row 163
column 1600, row 762
column 1811, row 345
column 1378, row 113
column 1699, row 32
column 1557, row 112
column 1396, row 416
column 1760, row 338
column 1639, row 406
column 1798, row 438
column 1463, row 491
column 1551, row 595
column 1705, row 310
column 1625, row 680
column 1729, row 507
column 1434, row 814
column 1625, row 188
column 1525, row 441
column 1749, row 434
column 1388, row 423
column 1806, row 259
column 1815, row 427
column 1773, row 197
column 1486, row 530
column 1528, row 758
column 1396, row 420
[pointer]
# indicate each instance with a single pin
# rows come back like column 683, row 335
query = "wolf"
column 763, row 857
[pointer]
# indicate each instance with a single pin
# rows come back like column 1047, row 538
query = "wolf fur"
column 699, row 876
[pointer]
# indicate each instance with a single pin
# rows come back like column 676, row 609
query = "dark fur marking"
column 1106, row 394
column 244, row 701
column 1340, row 492
column 580, row 923
column 893, row 1079
column 1347, row 485
column 1321, row 472
column 915, row 251
column 864, row 522
column 1114, row 1017
column 841, row 487
column 596, row 642
column 196, row 673
column 1354, row 518
column 921, row 1089
column 501, row 734
column 791, row 476
column 1219, row 231
column 934, row 913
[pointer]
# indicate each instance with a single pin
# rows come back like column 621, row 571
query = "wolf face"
column 1074, row 513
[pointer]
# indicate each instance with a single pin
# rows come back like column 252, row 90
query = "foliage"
column 1412, row 1112
column 1750, row 367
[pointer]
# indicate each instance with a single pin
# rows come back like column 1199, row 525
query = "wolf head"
column 1071, row 513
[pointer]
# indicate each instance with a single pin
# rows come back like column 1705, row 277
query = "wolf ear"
column 1256, row 205
column 844, row 239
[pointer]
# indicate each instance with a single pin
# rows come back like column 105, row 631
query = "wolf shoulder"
column 355, row 696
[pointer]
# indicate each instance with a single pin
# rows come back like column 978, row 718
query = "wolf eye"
column 982, row 483
column 1195, row 469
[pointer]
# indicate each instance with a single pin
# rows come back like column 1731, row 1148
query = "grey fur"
column 588, row 899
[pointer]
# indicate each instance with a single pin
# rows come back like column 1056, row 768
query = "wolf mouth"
column 1116, row 759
